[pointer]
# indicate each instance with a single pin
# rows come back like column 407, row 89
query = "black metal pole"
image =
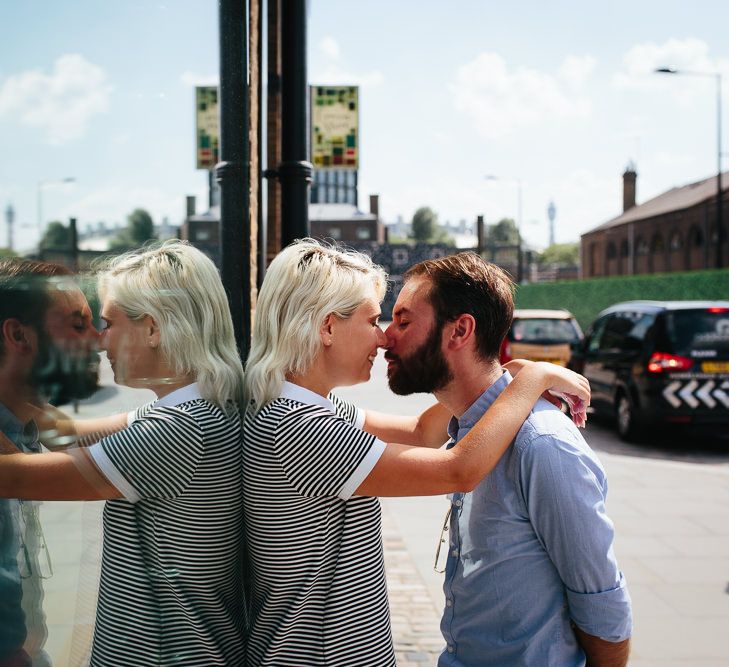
column 719, row 189
column 295, row 171
column 232, row 171
column 73, row 243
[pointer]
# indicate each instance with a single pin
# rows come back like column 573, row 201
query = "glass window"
column 616, row 331
column 596, row 334
column 544, row 331
column 363, row 233
column 701, row 329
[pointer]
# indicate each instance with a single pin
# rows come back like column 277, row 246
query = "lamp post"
column 719, row 194
column 41, row 185
column 519, row 263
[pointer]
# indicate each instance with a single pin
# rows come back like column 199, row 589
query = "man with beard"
column 530, row 575
column 47, row 352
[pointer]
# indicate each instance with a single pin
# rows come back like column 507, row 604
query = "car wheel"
column 628, row 428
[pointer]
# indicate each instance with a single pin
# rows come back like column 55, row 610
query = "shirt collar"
column 476, row 410
column 298, row 393
column 189, row 392
column 22, row 435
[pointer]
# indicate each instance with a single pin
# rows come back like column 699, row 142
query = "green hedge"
column 586, row 298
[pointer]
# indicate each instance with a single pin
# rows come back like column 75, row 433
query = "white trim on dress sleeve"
column 363, row 469
column 111, row 472
column 130, row 417
column 359, row 420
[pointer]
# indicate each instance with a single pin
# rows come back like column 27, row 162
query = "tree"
column 560, row 253
column 424, row 228
column 504, row 232
column 6, row 253
column 139, row 230
column 56, row 237
column 424, row 224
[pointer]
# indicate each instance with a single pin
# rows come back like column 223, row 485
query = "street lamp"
column 519, row 264
column 719, row 193
column 41, row 185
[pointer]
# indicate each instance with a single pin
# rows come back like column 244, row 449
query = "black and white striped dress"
column 319, row 595
column 171, row 584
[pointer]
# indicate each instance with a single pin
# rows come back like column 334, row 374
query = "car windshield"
column 701, row 329
column 543, row 330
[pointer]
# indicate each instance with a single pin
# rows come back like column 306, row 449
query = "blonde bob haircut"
column 304, row 283
column 179, row 287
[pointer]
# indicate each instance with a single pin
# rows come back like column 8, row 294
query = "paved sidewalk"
column 415, row 618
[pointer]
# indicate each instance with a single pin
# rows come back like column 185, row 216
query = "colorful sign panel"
column 207, row 123
column 334, row 127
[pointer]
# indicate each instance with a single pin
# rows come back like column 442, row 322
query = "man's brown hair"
column 467, row 284
column 24, row 285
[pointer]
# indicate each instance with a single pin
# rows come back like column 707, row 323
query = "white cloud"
column 691, row 54
column 499, row 100
column 575, row 70
column 61, row 103
column 327, row 70
column 330, row 48
column 335, row 75
column 197, row 79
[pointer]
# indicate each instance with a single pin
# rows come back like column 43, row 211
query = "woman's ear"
column 152, row 331
column 326, row 331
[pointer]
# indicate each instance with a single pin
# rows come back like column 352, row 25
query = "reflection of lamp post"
column 519, row 264
column 719, row 193
column 41, row 185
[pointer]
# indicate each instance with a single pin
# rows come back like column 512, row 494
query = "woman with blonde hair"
column 311, row 474
column 170, row 588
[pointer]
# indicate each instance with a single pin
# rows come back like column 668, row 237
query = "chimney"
column 480, row 234
column 629, row 178
column 375, row 206
column 190, row 205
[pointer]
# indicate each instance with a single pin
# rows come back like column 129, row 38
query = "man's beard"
column 62, row 376
column 424, row 371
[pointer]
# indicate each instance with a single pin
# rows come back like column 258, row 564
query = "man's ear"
column 326, row 331
column 17, row 336
column 461, row 332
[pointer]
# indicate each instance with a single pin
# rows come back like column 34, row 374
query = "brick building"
column 346, row 223
column 675, row 231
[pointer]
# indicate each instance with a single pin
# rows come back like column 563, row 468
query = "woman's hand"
column 570, row 386
column 516, row 365
column 55, row 428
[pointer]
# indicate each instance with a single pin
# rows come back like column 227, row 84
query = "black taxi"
column 660, row 363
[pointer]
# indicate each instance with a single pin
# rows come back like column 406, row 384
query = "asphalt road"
column 601, row 435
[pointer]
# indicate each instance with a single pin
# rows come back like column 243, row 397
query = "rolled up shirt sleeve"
column 595, row 612
column 565, row 490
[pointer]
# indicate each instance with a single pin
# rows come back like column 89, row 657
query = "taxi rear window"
column 543, row 331
column 700, row 329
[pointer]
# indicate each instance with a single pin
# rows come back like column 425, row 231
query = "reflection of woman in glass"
column 310, row 473
column 170, row 590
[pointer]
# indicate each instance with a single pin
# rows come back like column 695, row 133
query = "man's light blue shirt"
column 12, row 617
column 531, row 550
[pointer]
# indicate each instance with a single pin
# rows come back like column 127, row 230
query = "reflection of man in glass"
column 47, row 352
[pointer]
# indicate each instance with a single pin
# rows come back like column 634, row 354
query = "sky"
column 463, row 105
